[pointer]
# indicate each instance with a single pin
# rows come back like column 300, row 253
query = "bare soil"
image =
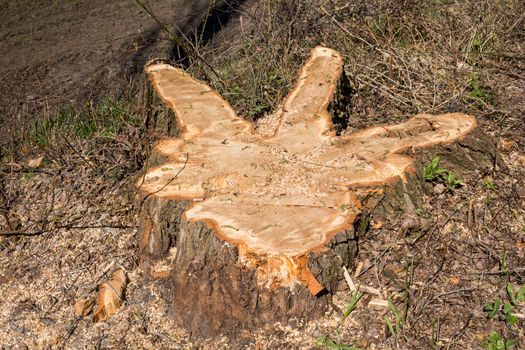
column 60, row 53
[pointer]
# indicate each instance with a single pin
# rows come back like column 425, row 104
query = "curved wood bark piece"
column 283, row 203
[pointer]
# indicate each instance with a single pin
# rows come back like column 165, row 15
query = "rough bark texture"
column 476, row 153
column 213, row 293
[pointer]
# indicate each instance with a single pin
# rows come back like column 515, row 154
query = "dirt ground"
column 65, row 220
column 59, row 53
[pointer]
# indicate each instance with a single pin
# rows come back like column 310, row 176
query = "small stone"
column 409, row 225
column 439, row 189
column 47, row 321
column 316, row 333
column 103, row 217
column 20, row 346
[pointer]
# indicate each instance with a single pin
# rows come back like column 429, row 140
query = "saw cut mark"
column 281, row 194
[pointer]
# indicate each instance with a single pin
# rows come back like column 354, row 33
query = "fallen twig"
column 17, row 168
column 22, row 233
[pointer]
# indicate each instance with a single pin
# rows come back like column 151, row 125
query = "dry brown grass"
column 402, row 57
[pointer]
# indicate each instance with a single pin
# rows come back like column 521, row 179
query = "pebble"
column 439, row 189
column 47, row 321
column 20, row 346
column 103, row 217
column 80, row 209
column 316, row 333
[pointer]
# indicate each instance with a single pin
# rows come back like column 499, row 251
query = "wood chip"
column 376, row 224
column 348, row 279
column 160, row 274
column 36, row 162
column 454, row 280
column 507, row 145
column 110, row 296
column 358, row 269
column 368, row 290
column 84, row 306
column 378, row 304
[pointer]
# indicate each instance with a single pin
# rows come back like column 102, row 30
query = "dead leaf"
column 376, row 224
column 110, row 296
column 520, row 244
column 454, row 280
column 36, row 162
column 84, row 306
column 507, row 145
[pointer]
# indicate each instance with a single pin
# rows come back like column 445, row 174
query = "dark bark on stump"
column 212, row 295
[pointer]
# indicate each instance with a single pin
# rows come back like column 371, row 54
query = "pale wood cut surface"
column 284, row 195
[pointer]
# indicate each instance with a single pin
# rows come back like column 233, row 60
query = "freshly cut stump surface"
column 263, row 218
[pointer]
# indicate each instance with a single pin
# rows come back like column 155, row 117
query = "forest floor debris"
column 65, row 218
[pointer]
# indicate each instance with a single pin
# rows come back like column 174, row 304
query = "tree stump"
column 264, row 219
